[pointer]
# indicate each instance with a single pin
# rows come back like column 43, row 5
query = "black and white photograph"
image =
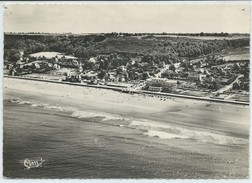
column 124, row 90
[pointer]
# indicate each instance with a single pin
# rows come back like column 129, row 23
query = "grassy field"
column 236, row 54
column 236, row 57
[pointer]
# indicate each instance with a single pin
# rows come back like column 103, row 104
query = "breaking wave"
column 75, row 113
column 150, row 128
column 41, row 105
column 163, row 135
column 92, row 114
column 19, row 101
column 166, row 131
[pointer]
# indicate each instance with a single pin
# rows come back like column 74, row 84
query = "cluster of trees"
column 187, row 66
column 172, row 75
column 222, row 34
column 242, row 69
column 112, row 52
column 213, row 85
column 159, row 59
column 86, row 46
column 112, row 61
column 212, row 60
column 138, row 34
column 193, row 49
column 12, row 55
column 69, row 44
column 242, row 85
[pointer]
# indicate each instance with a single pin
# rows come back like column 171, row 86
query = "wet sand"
column 214, row 116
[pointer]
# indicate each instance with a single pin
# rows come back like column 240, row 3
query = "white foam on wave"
column 166, row 131
column 34, row 105
column 47, row 106
column 20, row 101
column 38, row 104
column 54, row 108
column 146, row 124
column 163, row 135
column 14, row 100
column 24, row 102
column 75, row 113
column 92, row 114
column 154, row 129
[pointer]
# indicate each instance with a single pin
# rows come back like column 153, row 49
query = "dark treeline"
column 221, row 34
column 74, row 45
column 215, row 34
column 86, row 46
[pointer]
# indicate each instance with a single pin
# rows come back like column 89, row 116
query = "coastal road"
column 138, row 90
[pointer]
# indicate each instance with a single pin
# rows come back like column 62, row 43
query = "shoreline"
column 184, row 133
column 141, row 92
column 145, row 141
column 217, row 117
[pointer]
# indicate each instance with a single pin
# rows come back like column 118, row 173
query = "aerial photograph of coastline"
column 126, row 91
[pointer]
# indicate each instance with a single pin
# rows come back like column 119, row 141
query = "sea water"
column 79, row 143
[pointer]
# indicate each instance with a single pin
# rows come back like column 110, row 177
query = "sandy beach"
column 147, row 106
column 197, row 128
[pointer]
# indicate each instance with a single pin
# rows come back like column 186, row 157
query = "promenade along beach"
column 86, row 132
